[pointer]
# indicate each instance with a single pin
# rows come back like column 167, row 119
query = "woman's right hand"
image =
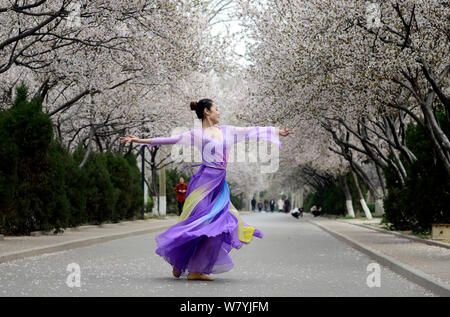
column 129, row 139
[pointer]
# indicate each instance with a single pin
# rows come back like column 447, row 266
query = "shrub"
column 76, row 183
column 330, row 197
column 32, row 178
column 426, row 195
column 101, row 194
column 42, row 186
column 126, row 186
column 149, row 206
column 236, row 201
column 135, row 190
column 371, row 208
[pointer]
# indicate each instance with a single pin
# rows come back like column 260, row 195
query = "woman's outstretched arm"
column 268, row 133
column 186, row 138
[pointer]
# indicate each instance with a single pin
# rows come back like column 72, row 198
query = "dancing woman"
column 209, row 225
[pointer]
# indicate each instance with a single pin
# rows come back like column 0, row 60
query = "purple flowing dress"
column 209, row 226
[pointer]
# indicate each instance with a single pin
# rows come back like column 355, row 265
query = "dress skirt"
column 208, row 228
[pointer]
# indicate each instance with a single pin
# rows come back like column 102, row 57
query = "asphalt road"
column 294, row 258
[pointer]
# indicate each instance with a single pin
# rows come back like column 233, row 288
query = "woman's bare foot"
column 175, row 273
column 198, row 276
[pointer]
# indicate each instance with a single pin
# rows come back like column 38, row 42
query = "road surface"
column 294, row 258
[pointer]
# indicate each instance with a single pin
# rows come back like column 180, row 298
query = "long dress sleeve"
column 186, row 138
column 268, row 133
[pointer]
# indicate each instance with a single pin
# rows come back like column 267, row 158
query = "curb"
column 417, row 239
column 80, row 228
column 405, row 270
column 76, row 244
column 11, row 256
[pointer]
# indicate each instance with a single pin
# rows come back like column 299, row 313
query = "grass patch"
column 330, row 216
column 388, row 227
column 152, row 216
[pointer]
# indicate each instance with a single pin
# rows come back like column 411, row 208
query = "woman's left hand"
column 129, row 139
column 284, row 132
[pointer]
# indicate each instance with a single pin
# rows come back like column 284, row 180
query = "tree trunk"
column 365, row 178
column 86, row 155
column 361, row 197
column 381, row 180
column 162, row 198
column 437, row 136
column 379, row 207
column 348, row 196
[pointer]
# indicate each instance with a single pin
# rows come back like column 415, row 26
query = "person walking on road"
column 260, row 206
column 287, row 205
column 253, row 204
column 280, row 204
column 209, row 226
column 180, row 190
column 272, row 205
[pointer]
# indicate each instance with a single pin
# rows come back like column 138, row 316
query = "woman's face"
column 213, row 114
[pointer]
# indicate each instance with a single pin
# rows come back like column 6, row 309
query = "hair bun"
column 193, row 105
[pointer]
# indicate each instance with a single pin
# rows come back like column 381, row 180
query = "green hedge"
column 41, row 185
column 332, row 198
column 425, row 198
column 236, row 201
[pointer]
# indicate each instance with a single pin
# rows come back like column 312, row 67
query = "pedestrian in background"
column 180, row 190
column 280, row 204
column 253, row 204
column 272, row 205
column 266, row 205
column 260, row 206
column 287, row 205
